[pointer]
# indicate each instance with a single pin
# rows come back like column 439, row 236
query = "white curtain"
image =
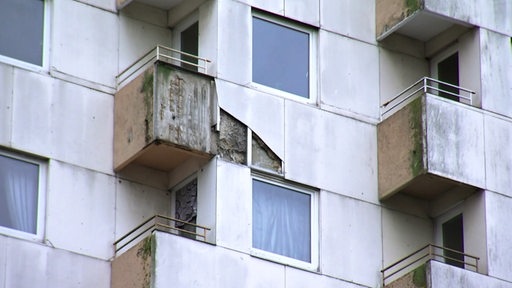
column 281, row 221
column 19, row 192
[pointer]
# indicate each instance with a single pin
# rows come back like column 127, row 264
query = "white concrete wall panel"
column 349, row 74
column 296, row 278
column 403, row 234
column 6, row 102
column 498, row 154
column 307, row 11
column 84, row 42
column 275, row 6
column 469, row 64
column 207, row 199
column 80, row 210
column 494, row 15
column 496, row 68
column 355, row 19
column 137, row 37
column 397, row 71
column 180, row 262
column 102, row 4
column 135, row 203
column 443, row 275
column 350, row 245
column 31, row 265
column 474, row 229
column 209, row 34
column 455, row 139
column 499, row 235
column 61, row 120
column 234, row 42
column 330, row 152
column 234, row 208
column 261, row 112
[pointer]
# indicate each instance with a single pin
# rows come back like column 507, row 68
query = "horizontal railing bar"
column 403, row 92
column 177, row 229
column 404, row 99
column 404, row 258
column 135, row 63
column 181, row 61
column 452, row 250
column 134, row 229
column 184, row 222
column 138, row 235
column 448, row 92
column 136, row 70
column 451, row 85
column 425, row 255
column 184, row 53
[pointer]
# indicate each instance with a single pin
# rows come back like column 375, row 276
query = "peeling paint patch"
column 263, row 156
column 232, row 142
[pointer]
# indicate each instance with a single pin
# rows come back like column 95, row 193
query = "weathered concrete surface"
column 413, row 279
column 391, row 12
column 133, row 268
column 232, row 139
column 444, row 275
column 263, row 156
column 430, row 146
column 163, row 117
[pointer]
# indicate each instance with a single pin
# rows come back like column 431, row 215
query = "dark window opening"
column 448, row 71
column 186, row 208
column 453, row 238
column 190, row 44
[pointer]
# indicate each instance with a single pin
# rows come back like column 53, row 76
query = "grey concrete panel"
column 234, row 197
column 496, row 72
column 443, row 275
column 276, row 6
column 6, row 105
column 35, row 265
column 296, row 278
column 349, row 82
column 499, row 235
column 80, row 210
column 455, row 139
column 85, row 42
column 330, row 152
column 307, row 11
column 249, row 106
column 234, row 42
column 498, row 154
column 355, row 19
column 349, row 246
column 62, row 120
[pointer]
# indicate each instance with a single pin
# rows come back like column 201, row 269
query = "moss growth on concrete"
column 419, row 278
column 416, row 126
column 147, row 91
column 412, row 6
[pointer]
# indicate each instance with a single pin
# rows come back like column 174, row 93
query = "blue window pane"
column 280, row 57
column 21, row 30
column 281, row 221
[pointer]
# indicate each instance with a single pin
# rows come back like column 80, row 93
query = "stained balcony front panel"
column 429, row 146
column 163, row 117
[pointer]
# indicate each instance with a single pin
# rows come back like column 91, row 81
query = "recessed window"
column 22, row 30
column 282, row 56
column 21, row 196
column 283, row 223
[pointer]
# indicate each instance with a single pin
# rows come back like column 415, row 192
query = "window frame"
column 41, row 198
column 314, row 211
column 46, row 42
column 313, row 57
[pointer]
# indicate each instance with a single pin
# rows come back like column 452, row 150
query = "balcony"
column 137, row 253
column 423, row 268
column 164, row 110
column 418, row 19
column 430, row 142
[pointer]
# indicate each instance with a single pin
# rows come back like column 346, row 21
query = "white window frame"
column 41, row 199
column 313, row 265
column 313, row 62
column 46, row 42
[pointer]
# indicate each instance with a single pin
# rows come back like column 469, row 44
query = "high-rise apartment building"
column 255, row 143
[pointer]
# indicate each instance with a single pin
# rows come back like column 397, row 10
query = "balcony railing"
column 163, row 224
column 427, row 253
column 164, row 54
column 427, row 85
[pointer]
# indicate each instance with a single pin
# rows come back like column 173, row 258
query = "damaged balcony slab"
column 431, row 146
column 164, row 117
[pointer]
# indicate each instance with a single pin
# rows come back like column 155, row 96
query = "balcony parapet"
column 399, row 273
column 428, row 144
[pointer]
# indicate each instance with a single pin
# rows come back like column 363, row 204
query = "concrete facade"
column 104, row 170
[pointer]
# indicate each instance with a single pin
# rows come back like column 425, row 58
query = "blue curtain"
column 281, row 221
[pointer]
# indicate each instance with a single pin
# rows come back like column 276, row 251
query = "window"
column 21, row 197
column 186, row 39
column 284, row 223
column 453, row 238
column 22, row 31
column 282, row 56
